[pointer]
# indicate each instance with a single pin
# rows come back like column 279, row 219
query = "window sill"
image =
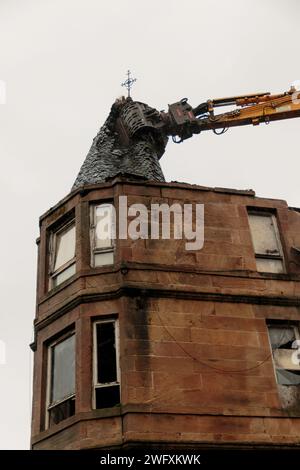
column 90, row 272
column 279, row 276
column 68, row 422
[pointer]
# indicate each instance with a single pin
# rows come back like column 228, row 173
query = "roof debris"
column 109, row 155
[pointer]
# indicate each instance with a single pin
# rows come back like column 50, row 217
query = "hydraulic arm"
column 137, row 120
column 184, row 121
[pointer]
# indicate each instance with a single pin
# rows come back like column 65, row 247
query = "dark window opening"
column 106, row 381
column 107, row 397
column 106, row 353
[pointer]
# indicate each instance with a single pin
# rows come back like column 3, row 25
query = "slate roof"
column 107, row 157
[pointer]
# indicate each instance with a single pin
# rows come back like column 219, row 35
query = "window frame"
column 49, row 378
column 52, row 254
column 93, row 247
column 268, row 256
column 97, row 385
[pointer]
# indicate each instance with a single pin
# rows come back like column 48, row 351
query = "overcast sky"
column 63, row 62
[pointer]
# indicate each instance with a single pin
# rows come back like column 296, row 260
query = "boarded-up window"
column 285, row 343
column 266, row 242
column 62, row 263
column 102, row 234
column 61, row 380
column 106, row 364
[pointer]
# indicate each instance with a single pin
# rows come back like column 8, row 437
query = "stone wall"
column 195, row 359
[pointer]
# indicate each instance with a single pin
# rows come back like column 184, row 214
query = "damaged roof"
column 108, row 156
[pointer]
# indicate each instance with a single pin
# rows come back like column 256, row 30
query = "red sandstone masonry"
column 182, row 358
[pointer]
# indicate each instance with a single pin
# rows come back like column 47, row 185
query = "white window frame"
column 94, row 249
column 52, row 254
column 270, row 256
column 49, row 406
column 97, row 385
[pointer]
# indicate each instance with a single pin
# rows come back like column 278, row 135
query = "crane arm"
column 136, row 121
column 184, row 121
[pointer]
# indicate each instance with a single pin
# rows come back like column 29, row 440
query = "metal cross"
column 129, row 82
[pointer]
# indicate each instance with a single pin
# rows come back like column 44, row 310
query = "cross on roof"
column 128, row 82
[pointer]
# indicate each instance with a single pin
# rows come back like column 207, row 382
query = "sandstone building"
column 141, row 342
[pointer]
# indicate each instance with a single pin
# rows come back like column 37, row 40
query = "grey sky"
column 63, row 61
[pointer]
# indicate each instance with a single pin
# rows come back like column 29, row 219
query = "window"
column 102, row 239
column 61, row 380
column 62, row 263
column 266, row 242
column 285, row 343
column 106, row 364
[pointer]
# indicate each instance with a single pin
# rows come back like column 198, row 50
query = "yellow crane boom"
column 184, row 121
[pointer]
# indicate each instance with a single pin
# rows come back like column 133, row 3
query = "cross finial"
column 129, row 82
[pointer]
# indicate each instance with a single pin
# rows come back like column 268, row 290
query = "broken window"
column 106, row 364
column 285, row 343
column 266, row 242
column 62, row 263
column 61, row 380
column 102, row 238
